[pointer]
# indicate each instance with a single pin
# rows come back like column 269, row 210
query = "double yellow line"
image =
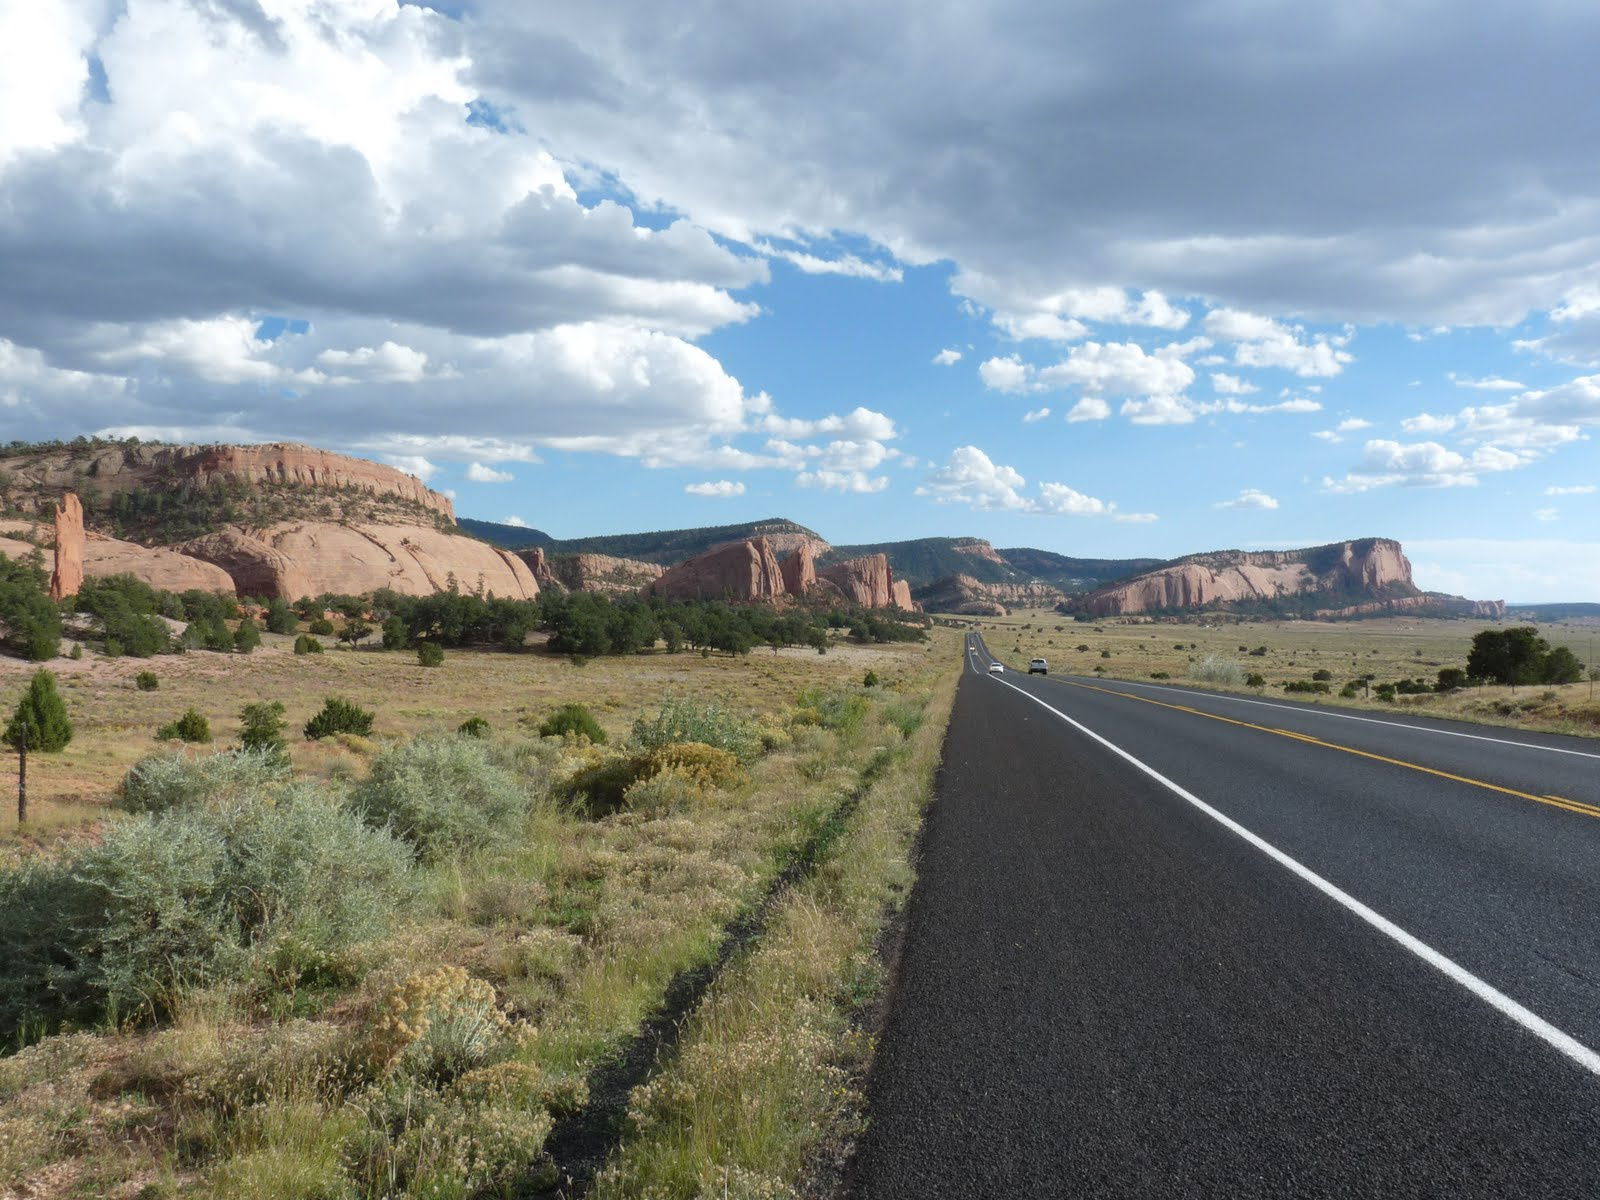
column 1574, row 806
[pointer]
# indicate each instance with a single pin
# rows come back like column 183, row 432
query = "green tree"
column 355, row 631
column 1512, row 656
column 247, row 637
column 1561, row 665
column 263, row 728
column 430, row 654
column 31, row 622
column 280, row 617
column 40, row 723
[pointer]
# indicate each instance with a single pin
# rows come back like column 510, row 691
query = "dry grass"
column 1389, row 648
column 573, row 931
column 115, row 723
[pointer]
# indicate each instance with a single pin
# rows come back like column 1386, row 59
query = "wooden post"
column 22, row 778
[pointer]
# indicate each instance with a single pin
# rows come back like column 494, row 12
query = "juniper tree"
column 40, row 723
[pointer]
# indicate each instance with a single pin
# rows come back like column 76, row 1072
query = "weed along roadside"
column 466, row 965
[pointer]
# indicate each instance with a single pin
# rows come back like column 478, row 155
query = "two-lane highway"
column 1172, row 943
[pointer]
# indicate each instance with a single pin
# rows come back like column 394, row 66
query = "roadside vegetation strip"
column 766, row 1080
column 528, row 941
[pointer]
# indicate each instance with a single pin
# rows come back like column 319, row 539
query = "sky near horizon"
column 1107, row 279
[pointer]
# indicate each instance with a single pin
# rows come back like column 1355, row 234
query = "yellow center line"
column 1574, row 806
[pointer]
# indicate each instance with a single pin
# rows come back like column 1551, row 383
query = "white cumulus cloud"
column 478, row 473
column 720, row 489
column 1249, row 498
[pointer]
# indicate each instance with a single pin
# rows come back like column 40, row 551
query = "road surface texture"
column 1322, row 955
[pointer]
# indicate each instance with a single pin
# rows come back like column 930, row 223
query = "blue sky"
column 1250, row 275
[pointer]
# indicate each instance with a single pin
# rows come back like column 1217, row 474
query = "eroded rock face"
column 165, row 570
column 591, row 572
column 800, row 570
column 306, row 558
column 284, row 462
column 67, row 575
column 900, row 596
column 737, row 571
column 866, row 581
column 1373, row 571
column 125, row 468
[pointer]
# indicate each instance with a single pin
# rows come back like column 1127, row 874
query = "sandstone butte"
column 867, row 581
column 1370, row 565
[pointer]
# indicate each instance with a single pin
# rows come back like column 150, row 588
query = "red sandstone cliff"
column 737, row 571
column 1375, row 568
column 590, row 572
column 866, row 581
column 125, row 468
column 800, row 571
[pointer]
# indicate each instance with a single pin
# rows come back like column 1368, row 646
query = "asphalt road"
column 1166, row 943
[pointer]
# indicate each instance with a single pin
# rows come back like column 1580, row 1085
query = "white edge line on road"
column 1321, row 712
column 1529, row 1020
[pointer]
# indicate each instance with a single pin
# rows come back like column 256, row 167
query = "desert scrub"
column 841, row 711
column 192, row 726
column 707, row 766
column 680, row 720
column 177, row 780
column 1212, row 669
column 444, row 795
column 572, row 720
column 770, row 1065
column 338, row 716
column 270, row 890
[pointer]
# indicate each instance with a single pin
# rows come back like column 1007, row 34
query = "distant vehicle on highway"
column 996, row 669
column 1038, row 666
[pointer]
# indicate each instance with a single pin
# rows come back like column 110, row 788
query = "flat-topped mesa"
column 867, row 581
column 1369, row 575
column 37, row 477
column 287, row 462
column 747, row 570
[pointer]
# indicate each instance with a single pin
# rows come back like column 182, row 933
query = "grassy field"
column 1390, row 649
column 115, row 722
column 435, row 1058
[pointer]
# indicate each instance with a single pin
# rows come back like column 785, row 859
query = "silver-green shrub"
column 442, row 794
column 166, row 781
column 191, row 896
column 1212, row 669
column 686, row 721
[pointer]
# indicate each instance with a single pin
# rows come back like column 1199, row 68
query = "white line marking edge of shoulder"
column 1563, row 1042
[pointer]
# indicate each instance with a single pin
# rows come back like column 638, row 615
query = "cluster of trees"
column 591, row 624
column 1520, row 655
column 129, row 613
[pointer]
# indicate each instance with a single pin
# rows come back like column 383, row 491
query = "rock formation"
column 900, row 596
column 590, row 572
column 800, row 570
column 1362, row 577
column 866, row 581
column 736, row 571
column 165, row 570
column 306, row 558
column 127, row 468
column 67, row 576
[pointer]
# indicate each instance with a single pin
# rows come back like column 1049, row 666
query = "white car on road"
column 996, row 669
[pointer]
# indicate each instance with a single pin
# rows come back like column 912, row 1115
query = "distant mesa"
column 287, row 520
column 1367, row 577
